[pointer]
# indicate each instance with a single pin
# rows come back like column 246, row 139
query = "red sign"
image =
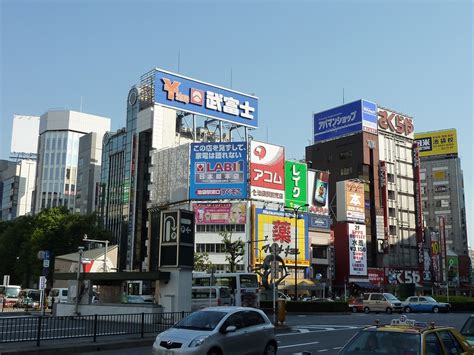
column 395, row 123
column 376, row 276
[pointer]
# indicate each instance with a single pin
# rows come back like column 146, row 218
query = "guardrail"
column 40, row 328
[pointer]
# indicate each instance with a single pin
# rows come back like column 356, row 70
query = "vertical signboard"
column 267, row 172
column 384, row 194
column 318, row 192
column 418, row 204
column 435, row 257
column 218, row 170
column 442, row 240
column 279, row 227
column 350, row 201
column 295, row 184
column 357, row 249
column 177, row 239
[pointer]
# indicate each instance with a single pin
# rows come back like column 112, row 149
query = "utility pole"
column 79, row 265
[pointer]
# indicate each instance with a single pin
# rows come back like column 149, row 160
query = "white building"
column 58, row 151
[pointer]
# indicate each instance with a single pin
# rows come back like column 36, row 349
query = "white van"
column 205, row 296
column 59, row 295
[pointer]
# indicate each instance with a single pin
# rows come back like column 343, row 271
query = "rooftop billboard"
column 194, row 96
column 345, row 120
column 437, row 143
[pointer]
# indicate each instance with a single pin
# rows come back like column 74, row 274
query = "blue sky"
column 296, row 56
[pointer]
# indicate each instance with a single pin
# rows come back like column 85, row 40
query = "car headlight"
column 198, row 341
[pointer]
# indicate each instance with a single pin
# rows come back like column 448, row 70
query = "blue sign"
column 345, row 120
column 317, row 221
column 190, row 95
column 218, row 171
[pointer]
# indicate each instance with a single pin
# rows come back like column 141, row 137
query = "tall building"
column 58, row 155
column 442, row 187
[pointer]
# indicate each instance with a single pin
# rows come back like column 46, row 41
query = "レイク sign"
column 357, row 249
column 190, row 95
column 295, row 184
column 395, row 123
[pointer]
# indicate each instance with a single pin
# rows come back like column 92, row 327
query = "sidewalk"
column 84, row 345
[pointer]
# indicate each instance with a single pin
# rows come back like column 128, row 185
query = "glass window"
column 377, row 297
column 432, row 346
column 468, row 327
column 368, row 342
column 450, row 342
column 252, row 318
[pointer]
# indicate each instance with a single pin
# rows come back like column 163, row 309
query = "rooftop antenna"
column 342, row 95
column 231, row 78
column 80, row 108
column 179, row 58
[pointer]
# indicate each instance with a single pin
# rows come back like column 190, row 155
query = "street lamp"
column 295, row 210
column 86, row 239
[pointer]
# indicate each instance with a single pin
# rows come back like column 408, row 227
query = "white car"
column 218, row 331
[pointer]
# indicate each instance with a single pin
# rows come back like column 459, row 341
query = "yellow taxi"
column 407, row 337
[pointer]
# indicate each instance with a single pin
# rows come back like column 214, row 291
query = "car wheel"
column 214, row 351
column 354, row 309
column 270, row 349
column 389, row 310
column 407, row 309
column 366, row 310
column 435, row 309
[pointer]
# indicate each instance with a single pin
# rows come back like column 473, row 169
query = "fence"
column 39, row 328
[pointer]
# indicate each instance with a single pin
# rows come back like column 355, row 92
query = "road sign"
column 45, row 262
column 170, row 227
column 42, row 283
column 46, row 254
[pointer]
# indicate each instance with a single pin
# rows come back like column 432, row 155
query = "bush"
column 458, row 303
column 299, row 306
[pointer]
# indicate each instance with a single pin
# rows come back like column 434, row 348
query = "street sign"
column 42, row 283
column 46, row 263
column 6, row 280
column 46, row 254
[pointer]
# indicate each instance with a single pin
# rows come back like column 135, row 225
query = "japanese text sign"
column 345, row 120
column 275, row 227
column 267, row 172
column 350, row 201
column 220, row 213
column 395, row 123
column 437, row 143
column 190, row 95
column 357, row 250
column 218, row 170
column 295, row 184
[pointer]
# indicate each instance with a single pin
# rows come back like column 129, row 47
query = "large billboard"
column 267, row 172
column 220, row 213
column 350, row 201
column 437, row 143
column 318, row 192
column 25, row 132
column 169, row 175
column 279, row 227
column 395, row 123
column 194, row 96
column 345, row 120
column 218, row 171
column 295, row 184
column 357, row 249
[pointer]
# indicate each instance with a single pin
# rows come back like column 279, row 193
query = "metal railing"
column 39, row 328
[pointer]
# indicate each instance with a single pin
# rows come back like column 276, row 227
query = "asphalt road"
column 326, row 334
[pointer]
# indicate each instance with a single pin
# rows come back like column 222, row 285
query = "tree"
column 202, row 262
column 234, row 250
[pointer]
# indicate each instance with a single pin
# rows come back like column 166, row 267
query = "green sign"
column 453, row 269
column 295, row 184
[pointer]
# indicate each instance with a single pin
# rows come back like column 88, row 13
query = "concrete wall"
column 68, row 309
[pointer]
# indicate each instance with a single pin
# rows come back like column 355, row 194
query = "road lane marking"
column 322, row 350
column 337, row 347
column 295, row 345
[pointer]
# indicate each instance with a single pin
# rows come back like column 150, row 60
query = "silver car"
column 218, row 331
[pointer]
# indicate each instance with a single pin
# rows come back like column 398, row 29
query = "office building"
column 58, row 155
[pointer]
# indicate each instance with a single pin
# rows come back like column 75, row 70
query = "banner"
column 218, row 171
column 437, row 143
column 267, row 172
column 357, row 250
column 376, row 276
column 350, row 201
column 318, row 192
column 219, row 213
column 295, row 184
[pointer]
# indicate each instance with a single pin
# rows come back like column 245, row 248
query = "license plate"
column 169, row 352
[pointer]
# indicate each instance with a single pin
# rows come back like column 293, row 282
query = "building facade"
column 58, row 156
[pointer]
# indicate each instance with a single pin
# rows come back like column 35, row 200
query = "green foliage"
column 458, row 303
column 202, row 262
column 235, row 250
column 53, row 229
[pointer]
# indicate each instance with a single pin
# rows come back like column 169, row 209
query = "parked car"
column 219, row 330
column 381, row 302
column 29, row 298
column 59, row 295
column 407, row 336
column 467, row 330
column 424, row 304
column 356, row 305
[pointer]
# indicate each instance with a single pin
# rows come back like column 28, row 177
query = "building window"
column 391, row 212
column 320, row 252
column 390, row 177
column 438, row 203
column 392, row 230
column 345, row 155
column 391, row 195
column 346, row 171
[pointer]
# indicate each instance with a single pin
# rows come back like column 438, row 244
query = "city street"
column 327, row 333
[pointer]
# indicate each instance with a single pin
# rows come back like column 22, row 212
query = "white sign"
column 357, row 250
column 42, row 283
column 46, row 263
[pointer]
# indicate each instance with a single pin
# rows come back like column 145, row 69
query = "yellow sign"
column 275, row 227
column 437, row 143
column 439, row 175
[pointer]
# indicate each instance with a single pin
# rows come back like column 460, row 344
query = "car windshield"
column 202, row 320
column 390, row 297
column 12, row 292
column 248, row 281
column 430, row 299
column 371, row 341
column 468, row 327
